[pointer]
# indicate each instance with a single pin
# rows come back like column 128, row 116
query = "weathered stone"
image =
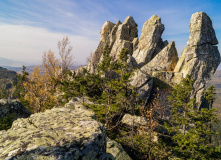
column 165, row 60
column 201, row 30
column 113, row 33
column 60, row 133
column 117, row 47
column 105, row 39
column 150, row 42
column 79, row 70
column 128, row 30
column 116, row 151
column 125, row 35
column 200, row 58
column 134, row 120
column 132, row 62
column 105, row 31
column 13, row 107
column 143, row 84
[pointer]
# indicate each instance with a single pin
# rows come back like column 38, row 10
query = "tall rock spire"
column 150, row 42
column 200, row 58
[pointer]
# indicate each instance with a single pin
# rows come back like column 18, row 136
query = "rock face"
column 60, row 133
column 105, row 39
column 117, row 36
column 9, row 107
column 200, row 58
column 150, row 42
column 165, row 60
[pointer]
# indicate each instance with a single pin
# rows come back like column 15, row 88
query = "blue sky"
column 30, row 27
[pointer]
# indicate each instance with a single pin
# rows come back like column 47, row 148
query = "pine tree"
column 189, row 127
column 19, row 86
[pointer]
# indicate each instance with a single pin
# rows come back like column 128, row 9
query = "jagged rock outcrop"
column 125, row 34
column 61, row 132
column 200, row 58
column 117, row 36
column 13, row 107
column 150, row 42
column 105, row 39
column 159, row 60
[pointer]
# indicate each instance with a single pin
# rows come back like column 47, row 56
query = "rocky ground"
column 70, row 132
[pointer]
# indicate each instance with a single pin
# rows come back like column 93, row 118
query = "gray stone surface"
column 200, row 58
column 134, row 120
column 150, row 42
column 105, row 38
column 165, row 60
column 201, row 30
column 60, row 133
column 143, row 84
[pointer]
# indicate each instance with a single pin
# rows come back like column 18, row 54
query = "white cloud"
column 27, row 44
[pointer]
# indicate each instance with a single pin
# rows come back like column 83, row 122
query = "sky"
column 28, row 28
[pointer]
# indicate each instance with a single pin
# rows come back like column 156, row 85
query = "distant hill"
column 30, row 68
column 9, row 62
column 6, row 74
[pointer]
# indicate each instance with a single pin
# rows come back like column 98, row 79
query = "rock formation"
column 150, row 42
column 117, row 36
column 156, row 58
column 200, row 58
column 133, row 120
column 60, row 133
column 13, row 107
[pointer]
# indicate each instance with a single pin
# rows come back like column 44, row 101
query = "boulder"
column 200, row 58
column 133, row 120
column 60, row 133
column 150, row 42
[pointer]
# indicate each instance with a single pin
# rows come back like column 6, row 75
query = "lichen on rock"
column 62, row 132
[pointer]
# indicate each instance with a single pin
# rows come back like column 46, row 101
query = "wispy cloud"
column 25, row 43
column 42, row 22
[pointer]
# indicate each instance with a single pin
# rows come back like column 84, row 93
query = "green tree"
column 189, row 127
column 210, row 95
column 19, row 86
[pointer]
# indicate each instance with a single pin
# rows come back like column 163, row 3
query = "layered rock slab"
column 61, row 132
